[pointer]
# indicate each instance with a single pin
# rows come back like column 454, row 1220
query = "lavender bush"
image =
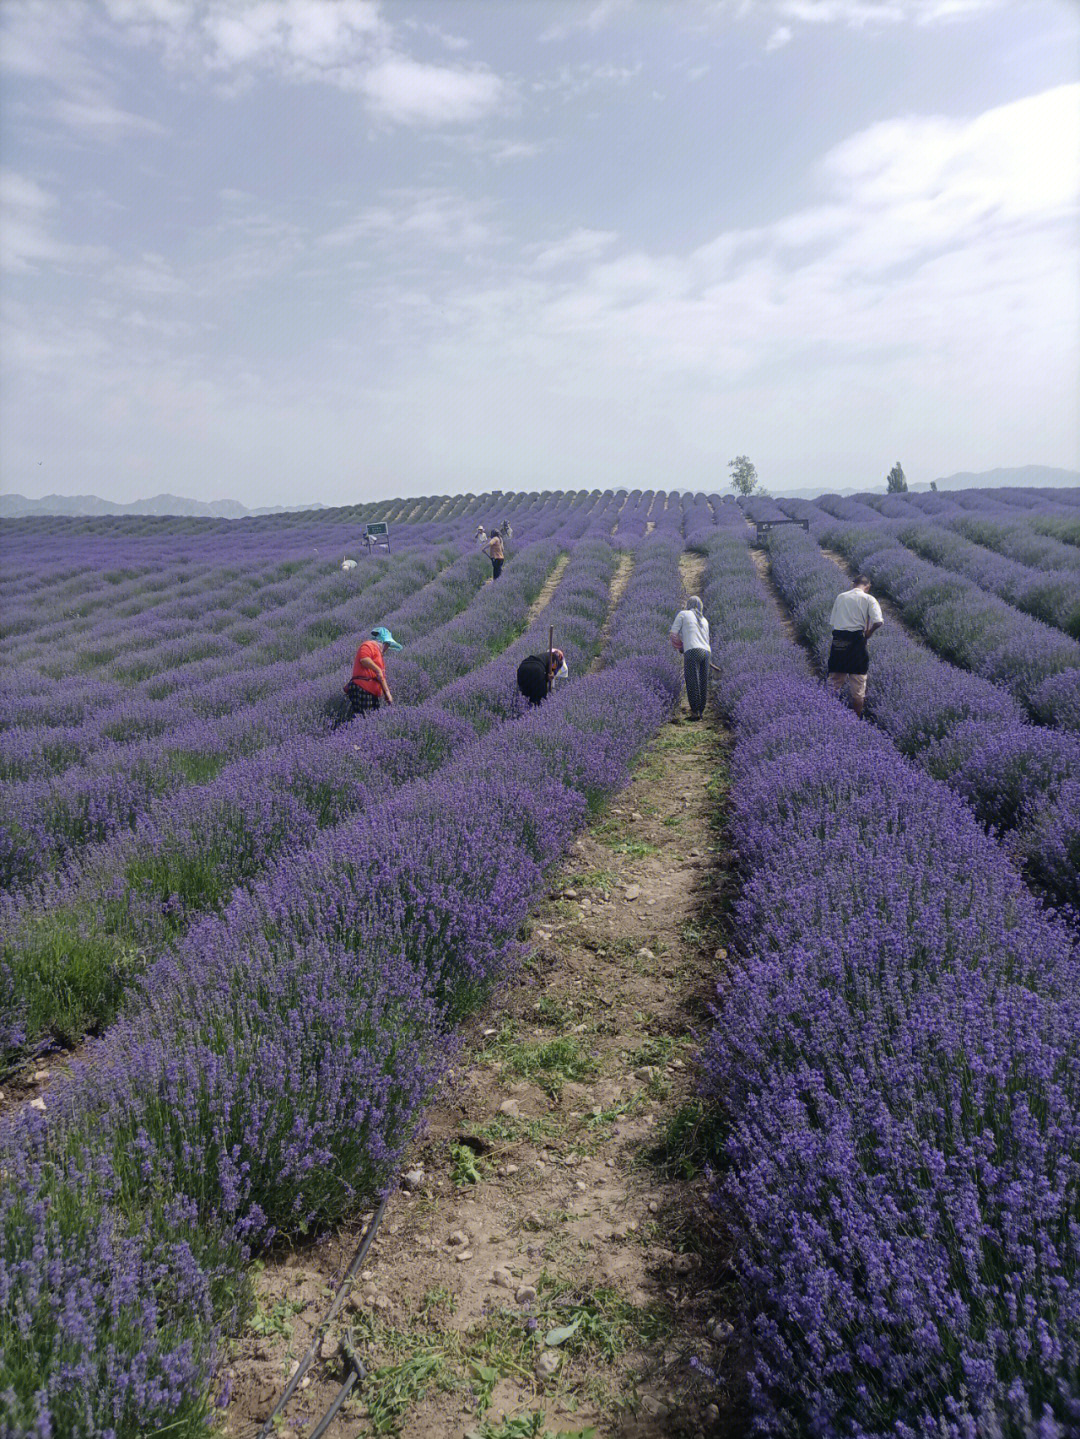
column 896, row 1060
column 975, row 630
column 957, row 726
column 278, row 1056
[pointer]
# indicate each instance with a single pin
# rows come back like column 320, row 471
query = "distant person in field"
column 481, row 536
column 536, row 674
column 855, row 616
column 507, row 531
column 368, row 687
column 495, row 553
column 690, row 636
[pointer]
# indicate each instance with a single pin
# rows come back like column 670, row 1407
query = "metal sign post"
column 377, row 536
column 764, row 526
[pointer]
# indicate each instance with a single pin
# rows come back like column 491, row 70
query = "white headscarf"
column 694, row 603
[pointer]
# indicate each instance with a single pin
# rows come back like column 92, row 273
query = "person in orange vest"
column 368, row 687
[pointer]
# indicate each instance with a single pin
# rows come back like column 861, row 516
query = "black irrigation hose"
column 19, row 1066
column 320, row 1331
column 356, row 1371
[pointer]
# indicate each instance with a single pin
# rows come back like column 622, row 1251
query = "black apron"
column 532, row 678
column 849, row 653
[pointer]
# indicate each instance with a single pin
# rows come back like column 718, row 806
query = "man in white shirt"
column 690, row 635
column 855, row 616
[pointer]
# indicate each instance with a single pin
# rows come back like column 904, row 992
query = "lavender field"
column 260, row 934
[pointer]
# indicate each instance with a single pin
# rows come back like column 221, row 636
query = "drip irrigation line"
column 21, row 1065
column 320, row 1332
column 356, row 1371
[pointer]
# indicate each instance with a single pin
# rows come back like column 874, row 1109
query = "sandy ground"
column 547, row 1267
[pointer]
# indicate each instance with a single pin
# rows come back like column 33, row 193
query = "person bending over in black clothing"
column 535, row 673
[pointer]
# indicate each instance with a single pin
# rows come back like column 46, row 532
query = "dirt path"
column 761, row 563
column 543, row 599
column 547, row 1192
column 624, row 568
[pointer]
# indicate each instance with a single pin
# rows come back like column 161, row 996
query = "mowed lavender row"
column 896, row 1078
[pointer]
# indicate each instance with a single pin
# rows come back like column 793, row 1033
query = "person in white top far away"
column 690, row 636
column 855, row 616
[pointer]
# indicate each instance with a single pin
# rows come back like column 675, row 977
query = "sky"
column 337, row 250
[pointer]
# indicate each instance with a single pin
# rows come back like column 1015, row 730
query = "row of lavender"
column 976, row 630
column 84, row 753
column 1022, row 780
column 276, row 1061
column 896, row 1072
column 439, row 515
column 1033, row 571
column 190, row 633
column 212, row 714
column 72, row 943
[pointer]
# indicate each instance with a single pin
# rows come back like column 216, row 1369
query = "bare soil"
column 624, row 568
column 550, row 1265
column 31, row 1082
column 543, row 599
column 763, row 566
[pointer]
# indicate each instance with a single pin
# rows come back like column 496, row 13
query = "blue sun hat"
column 385, row 638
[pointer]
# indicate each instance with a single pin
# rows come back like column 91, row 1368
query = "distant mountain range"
column 16, row 506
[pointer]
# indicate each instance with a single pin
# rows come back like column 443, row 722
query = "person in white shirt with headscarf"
column 690, row 636
column 855, row 616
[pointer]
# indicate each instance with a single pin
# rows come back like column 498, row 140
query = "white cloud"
column 344, row 43
column 26, row 241
column 101, row 118
column 935, row 277
column 578, row 246
column 579, row 79
column 503, row 150
column 437, row 219
column 780, row 37
column 150, row 276
column 859, row 13
column 409, row 92
column 591, row 21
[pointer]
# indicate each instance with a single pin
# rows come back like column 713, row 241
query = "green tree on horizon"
column 896, row 484
column 743, row 475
